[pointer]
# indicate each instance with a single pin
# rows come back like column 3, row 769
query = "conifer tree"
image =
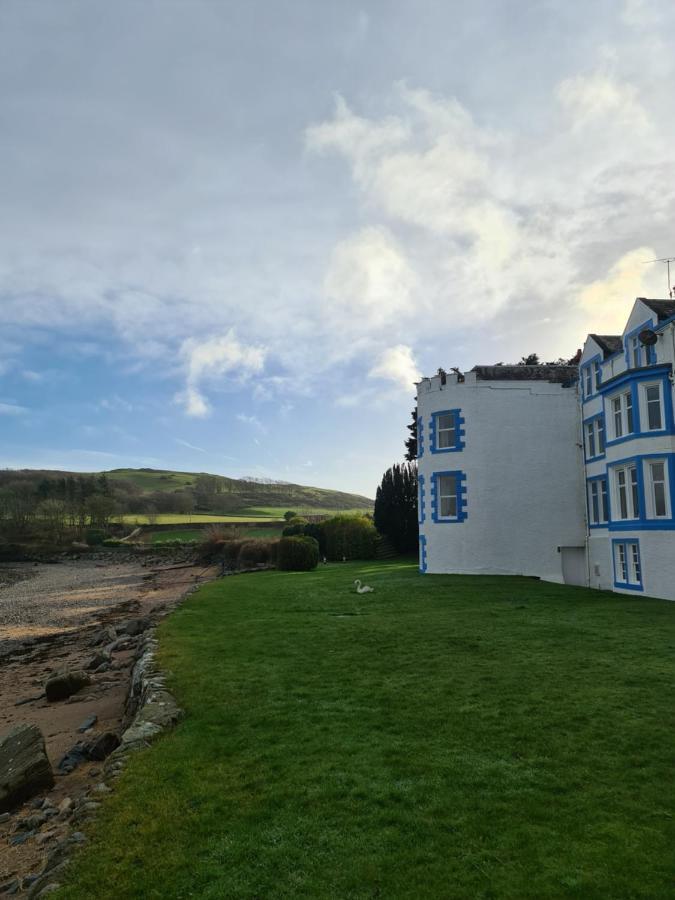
column 395, row 512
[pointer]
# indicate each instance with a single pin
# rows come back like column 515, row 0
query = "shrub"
column 297, row 554
column 257, row 552
column 297, row 520
column 229, row 552
column 351, row 537
column 315, row 530
column 113, row 542
column 94, row 536
column 293, row 530
column 289, row 515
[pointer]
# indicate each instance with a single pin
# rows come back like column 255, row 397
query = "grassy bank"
column 444, row 737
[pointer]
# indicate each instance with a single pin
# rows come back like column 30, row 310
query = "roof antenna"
column 667, row 260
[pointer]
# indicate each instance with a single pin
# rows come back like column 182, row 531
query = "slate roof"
column 610, row 343
column 664, row 309
column 554, row 374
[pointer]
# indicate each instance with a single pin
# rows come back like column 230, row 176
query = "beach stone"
column 63, row 684
column 102, row 746
column 135, row 626
column 89, row 722
column 24, row 766
column 99, row 658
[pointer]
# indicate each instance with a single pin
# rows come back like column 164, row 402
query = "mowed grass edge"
column 442, row 737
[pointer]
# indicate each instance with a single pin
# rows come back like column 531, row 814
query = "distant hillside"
column 166, row 491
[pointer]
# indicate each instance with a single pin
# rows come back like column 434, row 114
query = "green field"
column 443, row 737
column 279, row 511
column 190, row 519
column 160, row 537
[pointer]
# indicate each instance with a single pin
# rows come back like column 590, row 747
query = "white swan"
column 362, row 588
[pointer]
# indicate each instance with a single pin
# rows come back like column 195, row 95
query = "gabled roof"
column 555, row 374
column 664, row 309
column 608, row 343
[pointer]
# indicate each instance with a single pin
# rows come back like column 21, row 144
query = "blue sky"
column 232, row 235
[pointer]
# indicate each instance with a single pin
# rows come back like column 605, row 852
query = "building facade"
column 562, row 473
column 626, row 387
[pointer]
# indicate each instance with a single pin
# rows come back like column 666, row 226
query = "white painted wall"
column 524, row 477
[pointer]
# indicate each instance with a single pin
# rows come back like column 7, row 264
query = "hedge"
column 297, row 554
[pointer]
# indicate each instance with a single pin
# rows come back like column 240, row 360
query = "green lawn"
column 198, row 534
column 301, row 510
column 191, row 519
column 444, row 737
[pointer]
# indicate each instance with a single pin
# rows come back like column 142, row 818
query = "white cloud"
column 12, row 409
column 189, row 445
column 397, row 364
column 211, row 359
column 252, row 421
column 601, row 99
column 629, row 277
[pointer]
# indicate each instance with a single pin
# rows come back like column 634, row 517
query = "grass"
column 190, row 519
column 198, row 534
column 301, row 510
column 444, row 737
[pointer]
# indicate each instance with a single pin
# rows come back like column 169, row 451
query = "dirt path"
column 49, row 618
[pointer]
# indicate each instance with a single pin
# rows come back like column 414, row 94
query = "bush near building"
column 297, row 554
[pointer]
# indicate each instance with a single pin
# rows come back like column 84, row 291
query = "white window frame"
column 622, row 415
column 635, row 353
column 590, row 440
column 588, row 380
column 597, row 375
column 627, row 563
column 644, row 406
column 650, row 488
column 594, row 435
column 625, row 482
column 447, row 495
column 450, row 430
column 598, row 498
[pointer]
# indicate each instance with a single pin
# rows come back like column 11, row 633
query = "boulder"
column 62, row 685
column 102, row 746
column 24, row 767
column 135, row 626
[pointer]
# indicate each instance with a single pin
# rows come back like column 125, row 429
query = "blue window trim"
column 604, row 477
column 624, row 585
column 627, row 338
column 632, row 380
column 642, row 523
column 589, row 364
column 423, row 553
column 420, row 500
column 420, row 437
column 459, row 431
column 600, row 415
column 461, row 498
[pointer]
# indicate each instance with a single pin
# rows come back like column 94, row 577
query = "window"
column 652, row 398
column 627, row 567
column 635, row 353
column 588, row 381
column 447, row 496
column 447, row 432
column 626, row 499
column 622, row 414
column 598, row 501
column 595, row 437
column 420, row 499
column 597, row 374
column 658, row 491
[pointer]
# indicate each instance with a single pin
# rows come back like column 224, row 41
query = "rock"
column 65, row 806
column 50, row 888
column 10, row 887
column 101, row 789
column 24, row 767
column 101, row 747
column 62, row 685
column 100, row 658
column 20, row 838
column 88, row 723
column 5, row 817
column 72, row 759
column 31, row 823
column 77, row 837
column 105, row 636
column 28, row 880
column 135, row 626
column 125, row 642
column 94, row 773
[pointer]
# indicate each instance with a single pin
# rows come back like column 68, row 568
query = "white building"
column 551, row 471
column 626, row 384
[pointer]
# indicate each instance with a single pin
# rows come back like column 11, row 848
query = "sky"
column 234, row 234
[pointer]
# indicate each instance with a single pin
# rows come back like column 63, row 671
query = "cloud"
column 211, row 359
column 189, row 446
column 252, row 421
column 12, row 409
column 601, row 99
column 397, row 364
column 628, row 277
